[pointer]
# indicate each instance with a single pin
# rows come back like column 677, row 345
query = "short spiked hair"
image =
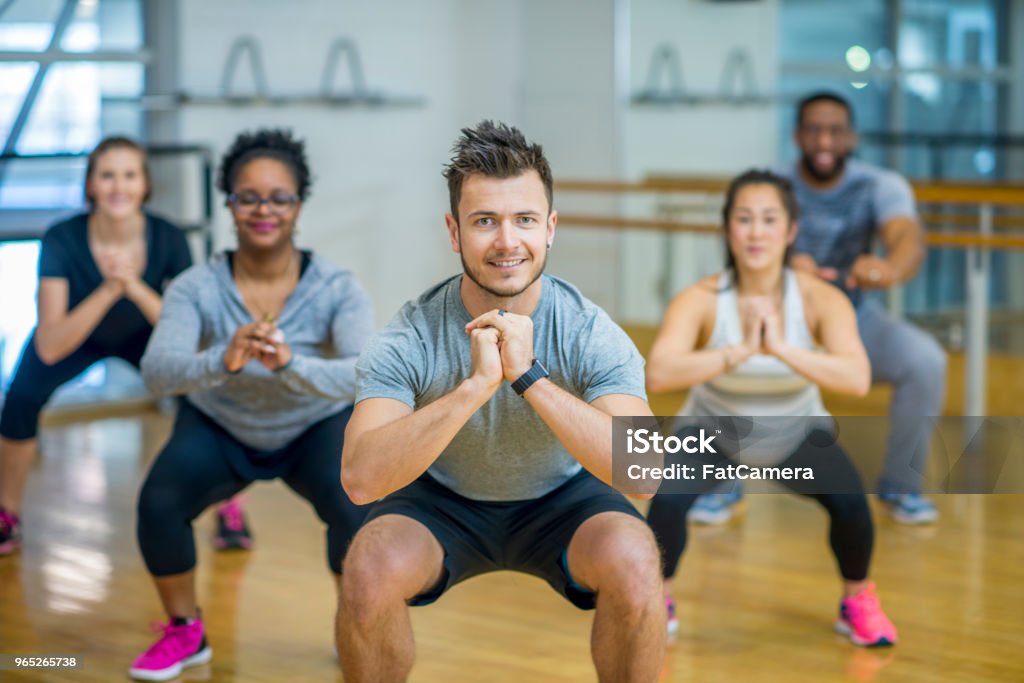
column 494, row 150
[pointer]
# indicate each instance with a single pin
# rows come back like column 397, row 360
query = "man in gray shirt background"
column 846, row 204
column 478, row 474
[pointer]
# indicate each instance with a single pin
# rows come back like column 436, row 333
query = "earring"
column 549, row 245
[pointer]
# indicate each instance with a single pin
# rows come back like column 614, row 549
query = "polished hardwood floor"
column 757, row 596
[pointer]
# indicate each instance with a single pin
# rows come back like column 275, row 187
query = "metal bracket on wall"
column 358, row 93
column 664, row 59
column 738, row 70
column 357, row 80
column 241, row 46
column 737, row 84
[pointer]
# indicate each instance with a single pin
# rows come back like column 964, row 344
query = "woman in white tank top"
column 757, row 341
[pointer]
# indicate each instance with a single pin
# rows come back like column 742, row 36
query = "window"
column 939, row 69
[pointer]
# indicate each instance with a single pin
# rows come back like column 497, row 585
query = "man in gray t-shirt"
column 845, row 206
column 505, row 451
column 484, row 422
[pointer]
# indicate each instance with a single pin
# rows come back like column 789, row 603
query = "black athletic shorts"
column 530, row 536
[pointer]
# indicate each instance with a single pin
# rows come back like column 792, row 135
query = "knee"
column 629, row 567
column 926, row 362
column 372, row 580
column 157, row 503
column 851, row 508
column 19, row 419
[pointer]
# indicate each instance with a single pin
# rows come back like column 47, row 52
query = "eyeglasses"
column 251, row 202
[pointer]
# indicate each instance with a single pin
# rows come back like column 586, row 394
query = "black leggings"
column 34, row 382
column 851, row 532
column 193, row 471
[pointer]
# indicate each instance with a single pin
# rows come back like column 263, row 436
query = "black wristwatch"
column 537, row 371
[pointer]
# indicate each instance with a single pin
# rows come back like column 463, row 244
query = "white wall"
column 378, row 198
column 702, row 139
column 547, row 66
column 569, row 101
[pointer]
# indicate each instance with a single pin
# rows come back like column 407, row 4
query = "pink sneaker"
column 673, row 620
column 10, row 532
column 232, row 529
column 183, row 644
column 862, row 619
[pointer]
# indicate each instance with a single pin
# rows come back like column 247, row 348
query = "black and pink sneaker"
column 862, row 620
column 182, row 644
column 232, row 529
column 10, row 532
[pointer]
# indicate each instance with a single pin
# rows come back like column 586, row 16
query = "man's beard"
column 826, row 176
column 493, row 292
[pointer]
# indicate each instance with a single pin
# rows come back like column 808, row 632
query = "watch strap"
column 527, row 379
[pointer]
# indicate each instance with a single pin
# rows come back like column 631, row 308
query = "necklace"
column 245, row 282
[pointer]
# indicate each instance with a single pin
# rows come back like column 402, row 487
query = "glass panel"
column 121, row 79
column 15, row 78
column 28, row 24
column 18, row 282
column 822, row 31
column 40, row 184
column 69, row 113
column 65, row 117
column 940, row 107
column 105, row 25
column 952, row 33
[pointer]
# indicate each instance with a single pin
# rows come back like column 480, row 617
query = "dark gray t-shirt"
column 838, row 224
column 505, row 451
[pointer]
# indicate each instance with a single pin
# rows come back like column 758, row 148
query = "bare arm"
column 903, row 238
column 675, row 361
column 388, row 445
column 60, row 332
column 843, row 365
column 585, row 429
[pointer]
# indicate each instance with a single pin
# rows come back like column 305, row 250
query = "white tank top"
column 761, row 386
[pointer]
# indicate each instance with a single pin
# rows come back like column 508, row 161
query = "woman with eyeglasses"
column 102, row 274
column 262, row 342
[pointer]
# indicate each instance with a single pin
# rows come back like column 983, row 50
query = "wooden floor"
column 757, row 596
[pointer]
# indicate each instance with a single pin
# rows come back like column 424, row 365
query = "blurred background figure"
column 747, row 342
column 847, row 207
column 102, row 275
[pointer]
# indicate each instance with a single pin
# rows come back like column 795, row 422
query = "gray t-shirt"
column 838, row 224
column 326, row 321
column 505, row 451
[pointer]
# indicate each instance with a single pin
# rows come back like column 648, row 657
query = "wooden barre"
column 935, row 239
column 948, row 193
